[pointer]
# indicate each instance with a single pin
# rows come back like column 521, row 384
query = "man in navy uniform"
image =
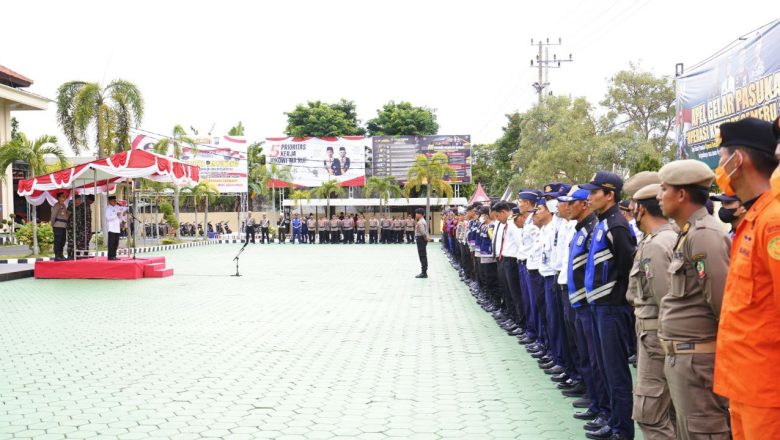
column 297, row 232
column 607, row 269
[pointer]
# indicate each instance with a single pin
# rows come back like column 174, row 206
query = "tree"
column 431, row 172
column 206, row 192
column 173, row 146
column 110, row 110
column 320, row 119
column 382, row 187
column 14, row 128
column 403, row 119
column 641, row 105
column 559, row 142
column 255, row 161
column 236, row 130
column 269, row 177
column 328, row 189
column 299, row 195
column 33, row 153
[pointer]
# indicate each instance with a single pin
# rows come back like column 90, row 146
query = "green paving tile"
column 312, row 342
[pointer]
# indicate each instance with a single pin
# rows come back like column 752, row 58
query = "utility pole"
column 544, row 63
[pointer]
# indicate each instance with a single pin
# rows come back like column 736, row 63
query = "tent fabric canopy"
column 102, row 175
column 479, row 195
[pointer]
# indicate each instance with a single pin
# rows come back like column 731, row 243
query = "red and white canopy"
column 102, row 175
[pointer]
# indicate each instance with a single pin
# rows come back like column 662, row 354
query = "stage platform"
column 125, row 268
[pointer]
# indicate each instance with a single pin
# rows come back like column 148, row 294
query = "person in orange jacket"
column 748, row 346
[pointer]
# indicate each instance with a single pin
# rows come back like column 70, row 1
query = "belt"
column 522, row 261
column 647, row 324
column 513, row 259
column 678, row 347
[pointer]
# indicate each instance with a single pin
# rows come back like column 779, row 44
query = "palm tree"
column 157, row 188
column 382, row 187
column 110, row 110
column 328, row 189
column 269, row 176
column 204, row 191
column 34, row 154
column 174, row 147
column 430, row 172
column 299, row 195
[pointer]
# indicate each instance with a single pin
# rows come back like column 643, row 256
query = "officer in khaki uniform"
column 373, row 229
column 361, row 229
column 649, row 284
column 689, row 313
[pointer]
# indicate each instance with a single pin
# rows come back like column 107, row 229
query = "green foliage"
column 111, row 111
column 170, row 240
column 320, row 119
column 403, row 119
column 168, row 215
column 24, row 235
column 382, row 187
column 33, row 153
column 236, row 130
column 14, row 127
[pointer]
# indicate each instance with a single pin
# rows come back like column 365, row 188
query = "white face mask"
column 552, row 205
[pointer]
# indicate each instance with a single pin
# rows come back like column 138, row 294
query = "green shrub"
column 167, row 210
column 24, row 234
column 170, row 241
column 98, row 239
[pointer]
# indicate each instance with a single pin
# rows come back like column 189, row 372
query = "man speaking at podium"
column 114, row 215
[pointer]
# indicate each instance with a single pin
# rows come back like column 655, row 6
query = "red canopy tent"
column 102, row 175
column 479, row 195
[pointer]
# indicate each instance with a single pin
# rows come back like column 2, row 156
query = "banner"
column 312, row 160
column 394, row 155
column 743, row 81
column 222, row 160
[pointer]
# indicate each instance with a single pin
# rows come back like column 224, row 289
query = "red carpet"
column 101, row 267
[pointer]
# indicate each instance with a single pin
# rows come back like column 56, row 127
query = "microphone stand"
column 238, row 255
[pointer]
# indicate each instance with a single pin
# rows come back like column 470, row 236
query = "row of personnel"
column 584, row 286
column 337, row 229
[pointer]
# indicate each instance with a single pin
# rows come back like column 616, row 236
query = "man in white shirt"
column 540, row 350
column 527, row 200
column 114, row 216
column 507, row 268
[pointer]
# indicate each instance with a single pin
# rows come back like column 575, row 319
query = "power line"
column 544, row 64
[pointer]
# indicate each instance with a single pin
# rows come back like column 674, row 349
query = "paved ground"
column 313, row 342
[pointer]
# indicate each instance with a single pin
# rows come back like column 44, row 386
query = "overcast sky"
column 205, row 63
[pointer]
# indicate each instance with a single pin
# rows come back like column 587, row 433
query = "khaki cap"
column 640, row 180
column 687, row 172
column 648, row 192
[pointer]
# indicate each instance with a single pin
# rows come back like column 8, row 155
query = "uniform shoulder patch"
column 773, row 248
column 701, row 269
column 646, row 267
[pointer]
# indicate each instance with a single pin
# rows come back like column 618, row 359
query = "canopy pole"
column 75, row 217
column 105, row 238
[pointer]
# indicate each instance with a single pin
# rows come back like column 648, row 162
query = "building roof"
column 10, row 78
column 479, row 195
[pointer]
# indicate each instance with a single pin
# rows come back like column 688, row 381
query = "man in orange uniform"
column 748, row 346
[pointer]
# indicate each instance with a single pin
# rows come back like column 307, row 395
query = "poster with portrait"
column 313, row 160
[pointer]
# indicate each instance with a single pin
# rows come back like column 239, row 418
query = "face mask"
column 726, row 215
column 552, row 206
column 723, row 178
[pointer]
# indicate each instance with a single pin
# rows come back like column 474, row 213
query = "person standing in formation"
column 311, row 226
column 335, row 230
column 249, row 228
column 114, row 216
column 324, row 230
column 361, row 229
column 373, row 229
column 386, row 233
column 409, row 227
column 265, row 227
column 421, row 237
column 689, row 313
column 296, row 228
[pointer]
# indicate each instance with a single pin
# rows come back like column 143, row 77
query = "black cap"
column 515, row 210
column 749, row 133
column 724, row 198
column 624, row 205
column 604, row 180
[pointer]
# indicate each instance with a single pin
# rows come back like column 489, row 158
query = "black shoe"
column 518, row 331
column 548, row 365
column 545, row 359
column 605, row 432
column 586, row 415
column 632, row 361
column 582, row 402
column 567, row 384
column 525, row 340
column 560, row 378
column 535, row 348
column 421, row 275
column 578, row 391
column 619, row 436
column 539, row 354
column 596, row 424
column 557, row 369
